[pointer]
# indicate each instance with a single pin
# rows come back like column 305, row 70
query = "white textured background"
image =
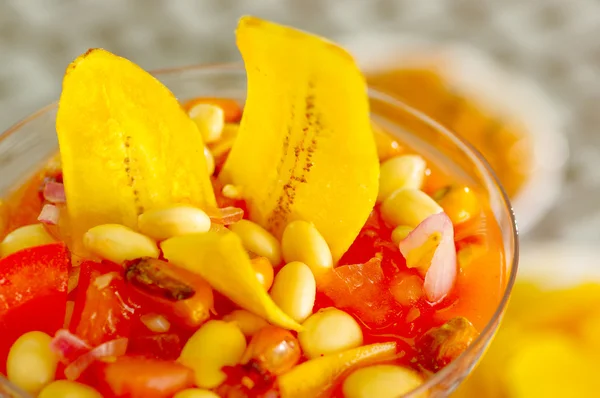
column 555, row 42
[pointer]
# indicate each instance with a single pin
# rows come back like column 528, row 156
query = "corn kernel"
column 382, row 381
column 329, row 331
column 258, row 240
column 400, row 233
column 460, row 204
column 210, row 161
column 294, row 290
column 195, row 393
column 31, row 363
column 302, row 242
column 248, row 323
column 23, row 238
column 272, row 351
column 165, row 223
column 231, row 192
column 406, row 171
column 118, row 243
column 210, row 120
column 408, row 207
column 264, row 271
column 68, row 389
column 214, row 345
column 386, row 146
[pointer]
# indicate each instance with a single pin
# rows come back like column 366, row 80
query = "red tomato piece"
column 33, row 293
column 137, row 377
column 365, row 245
column 362, row 290
column 102, row 309
column 374, row 241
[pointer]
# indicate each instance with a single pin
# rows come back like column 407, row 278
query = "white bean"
column 405, row 171
column 23, row 238
column 301, row 241
column 118, row 243
column 294, row 290
column 165, row 223
column 329, row 331
column 408, row 207
column 382, row 381
column 31, row 364
column 258, row 240
column 214, row 345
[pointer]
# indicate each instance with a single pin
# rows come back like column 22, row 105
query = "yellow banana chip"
column 220, row 259
column 305, row 149
column 126, row 145
column 315, row 376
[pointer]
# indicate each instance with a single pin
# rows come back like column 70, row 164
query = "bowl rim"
column 477, row 76
column 493, row 323
column 486, row 334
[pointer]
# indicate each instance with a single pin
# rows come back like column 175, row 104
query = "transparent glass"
column 25, row 147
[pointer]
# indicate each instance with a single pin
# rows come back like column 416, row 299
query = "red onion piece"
column 49, row 215
column 226, row 215
column 113, row 348
column 68, row 346
column 54, row 192
column 430, row 248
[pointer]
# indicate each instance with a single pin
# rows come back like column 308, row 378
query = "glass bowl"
column 512, row 99
column 25, row 148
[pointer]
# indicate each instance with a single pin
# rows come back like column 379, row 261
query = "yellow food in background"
column 548, row 346
column 505, row 146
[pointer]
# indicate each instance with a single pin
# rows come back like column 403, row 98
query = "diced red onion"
column 54, row 192
column 113, row 348
column 68, row 346
column 49, row 215
column 440, row 267
column 226, row 215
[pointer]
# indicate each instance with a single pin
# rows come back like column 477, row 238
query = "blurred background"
column 520, row 79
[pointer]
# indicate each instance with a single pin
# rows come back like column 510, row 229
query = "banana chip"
column 305, row 149
column 221, row 260
column 126, row 145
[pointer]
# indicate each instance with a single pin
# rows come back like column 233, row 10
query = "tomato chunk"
column 136, row 377
column 33, row 293
column 362, row 290
column 102, row 310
